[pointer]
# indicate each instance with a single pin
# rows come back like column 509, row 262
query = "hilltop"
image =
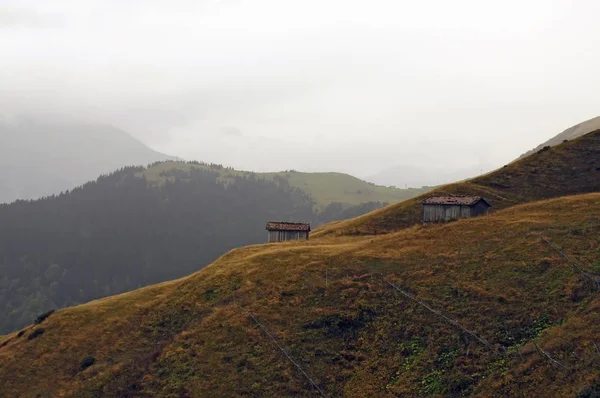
column 324, row 188
column 42, row 155
column 569, row 168
column 515, row 295
column 571, row 133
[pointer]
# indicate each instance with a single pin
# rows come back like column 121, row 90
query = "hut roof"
column 287, row 226
column 454, row 200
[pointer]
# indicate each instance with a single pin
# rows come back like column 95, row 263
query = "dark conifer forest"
column 120, row 233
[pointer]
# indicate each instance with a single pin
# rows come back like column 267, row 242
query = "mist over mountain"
column 146, row 147
column 431, row 173
column 571, row 133
column 424, row 175
column 45, row 154
column 336, row 85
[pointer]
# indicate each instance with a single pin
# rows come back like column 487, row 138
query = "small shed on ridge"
column 282, row 231
column 452, row 207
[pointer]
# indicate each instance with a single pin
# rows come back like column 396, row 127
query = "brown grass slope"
column 570, row 168
column 329, row 304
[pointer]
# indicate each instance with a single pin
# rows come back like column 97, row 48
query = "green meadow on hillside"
column 324, row 188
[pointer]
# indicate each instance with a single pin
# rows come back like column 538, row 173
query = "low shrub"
column 87, row 362
column 36, row 333
column 544, row 149
column 41, row 318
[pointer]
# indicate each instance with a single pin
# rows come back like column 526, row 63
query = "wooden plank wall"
column 480, row 209
column 281, row 236
column 441, row 213
column 444, row 213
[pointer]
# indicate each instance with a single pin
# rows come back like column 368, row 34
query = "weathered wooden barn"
column 453, row 207
column 282, row 231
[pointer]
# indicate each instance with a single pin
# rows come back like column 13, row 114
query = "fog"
column 350, row 86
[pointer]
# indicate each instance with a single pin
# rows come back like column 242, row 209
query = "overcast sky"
column 343, row 85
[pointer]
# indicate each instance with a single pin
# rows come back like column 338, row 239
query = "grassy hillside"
column 571, row 133
column 328, row 303
column 123, row 232
column 569, row 168
column 324, row 188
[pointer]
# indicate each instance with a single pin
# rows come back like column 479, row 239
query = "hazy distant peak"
column 44, row 154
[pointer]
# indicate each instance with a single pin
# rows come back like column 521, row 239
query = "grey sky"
column 355, row 86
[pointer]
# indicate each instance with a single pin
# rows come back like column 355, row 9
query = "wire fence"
column 281, row 348
column 440, row 315
column 586, row 274
column 328, row 280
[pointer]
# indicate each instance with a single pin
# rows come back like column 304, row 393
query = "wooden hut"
column 453, row 207
column 282, row 231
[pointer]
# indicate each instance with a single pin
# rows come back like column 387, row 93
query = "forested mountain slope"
column 518, row 318
column 569, row 168
column 140, row 226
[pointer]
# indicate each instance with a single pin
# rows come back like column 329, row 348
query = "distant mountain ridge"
column 42, row 155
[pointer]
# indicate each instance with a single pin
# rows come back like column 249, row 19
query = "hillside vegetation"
column 140, row 226
column 328, row 304
column 324, row 188
column 502, row 305
column 569, row 168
